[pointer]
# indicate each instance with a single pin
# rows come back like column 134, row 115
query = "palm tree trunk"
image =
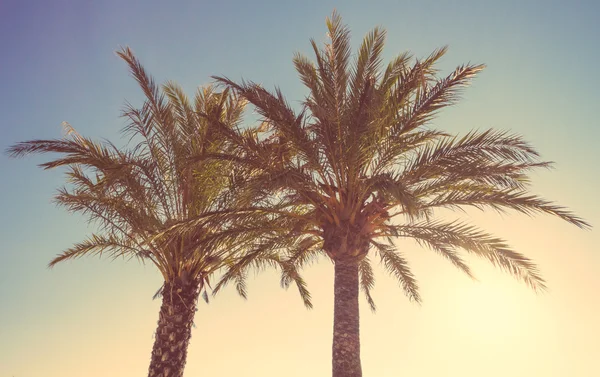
column 174, row 329
column 346, row 333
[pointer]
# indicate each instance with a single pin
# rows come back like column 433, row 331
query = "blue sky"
column 95, row 317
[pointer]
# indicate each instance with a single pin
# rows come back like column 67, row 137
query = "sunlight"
column 488, row 312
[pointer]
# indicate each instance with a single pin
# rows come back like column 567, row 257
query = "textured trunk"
column 346, row 333
column 174, row 329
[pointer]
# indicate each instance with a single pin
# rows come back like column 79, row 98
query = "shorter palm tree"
column 137, row 195
column 358, row 167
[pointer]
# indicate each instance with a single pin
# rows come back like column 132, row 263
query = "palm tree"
column 137, row 195
column 358, row 167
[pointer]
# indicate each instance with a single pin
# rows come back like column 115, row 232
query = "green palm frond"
column 141, row 195
column 367, row 65
column 258, row 259
column 367, row 281
column 447, row 236
column 288, row 274
column 397, row 266
column 486, row 148
column 484, row 196
column 431, row 99
column 360, row 156
column 75, row 148
column 338, row 55
column 109, row 244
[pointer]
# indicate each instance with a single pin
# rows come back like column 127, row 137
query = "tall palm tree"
column 357, row 166
column 137, row 195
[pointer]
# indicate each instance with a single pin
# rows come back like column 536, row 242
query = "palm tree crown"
column 360, row 155
column 137, row 195
column 358, row 165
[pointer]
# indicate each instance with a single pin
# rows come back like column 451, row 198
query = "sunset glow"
column 94, row 317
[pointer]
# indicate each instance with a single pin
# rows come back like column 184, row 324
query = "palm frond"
column 100, row 244
column 338, row 53
column 360, row 153
column 367, row 281
column 455, row 234
column 518, row 200
column 397, row 266
column 444, row 93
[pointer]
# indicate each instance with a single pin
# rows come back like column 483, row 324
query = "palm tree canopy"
column 137, row 194
column 358, row 164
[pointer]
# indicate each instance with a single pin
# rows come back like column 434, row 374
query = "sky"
column 92, row 317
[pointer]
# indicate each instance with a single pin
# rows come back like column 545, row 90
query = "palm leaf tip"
column 24, row 148
column 529, row 204
column 577, row 221
column 14, row 151
column 53, row 262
